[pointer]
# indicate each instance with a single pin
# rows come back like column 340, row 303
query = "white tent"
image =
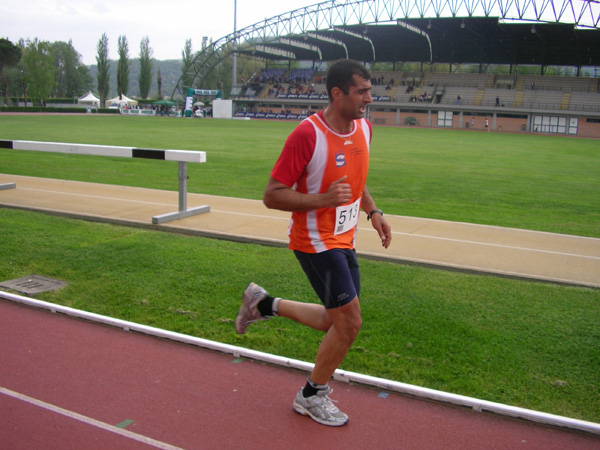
column 89, row 100
column 120, row 103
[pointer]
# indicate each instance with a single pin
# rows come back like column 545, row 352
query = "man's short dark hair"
column 341, row 75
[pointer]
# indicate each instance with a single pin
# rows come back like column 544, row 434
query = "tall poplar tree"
column 145, row 76
column 160, row 94
column 187, row 73
column 102, row 62
column 123, row 67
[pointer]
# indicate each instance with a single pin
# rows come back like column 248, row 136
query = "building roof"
column 484, row 40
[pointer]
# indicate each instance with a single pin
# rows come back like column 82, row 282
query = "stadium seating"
column 477, row 89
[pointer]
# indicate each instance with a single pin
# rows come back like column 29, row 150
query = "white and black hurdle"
column 181, row 156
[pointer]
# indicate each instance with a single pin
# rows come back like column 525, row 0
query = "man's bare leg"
column 310, row 314
column 340, row 324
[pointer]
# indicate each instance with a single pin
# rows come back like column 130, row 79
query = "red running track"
column 66, row 383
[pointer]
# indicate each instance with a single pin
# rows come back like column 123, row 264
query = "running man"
column 320, row 177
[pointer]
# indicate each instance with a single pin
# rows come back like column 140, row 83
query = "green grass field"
column 545, row 183
column 527, row 344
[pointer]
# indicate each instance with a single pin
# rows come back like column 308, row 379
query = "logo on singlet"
column 340, row 160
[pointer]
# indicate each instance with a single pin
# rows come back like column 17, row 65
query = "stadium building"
column 515, row 65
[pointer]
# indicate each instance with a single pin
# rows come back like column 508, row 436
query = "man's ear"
column 337, row 93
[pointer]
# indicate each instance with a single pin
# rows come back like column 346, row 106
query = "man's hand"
column 383, row 229
column 339, row 193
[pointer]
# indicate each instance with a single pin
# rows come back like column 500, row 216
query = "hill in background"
column 170, row 71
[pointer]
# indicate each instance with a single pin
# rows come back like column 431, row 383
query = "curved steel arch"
column 330, row 14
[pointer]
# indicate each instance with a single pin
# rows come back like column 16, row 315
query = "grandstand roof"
column 517, row 32
column 484, row 40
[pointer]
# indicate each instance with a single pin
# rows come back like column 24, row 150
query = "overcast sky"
column 167, row 23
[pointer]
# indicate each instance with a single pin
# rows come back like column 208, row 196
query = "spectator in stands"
column 458, row 100
column 497, row 101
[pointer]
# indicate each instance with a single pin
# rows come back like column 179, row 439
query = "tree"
column 216, row 67
column 10, row 55
column 145, row 76
column 39, row 69
column 187, row 70
column 71, row 75
column 123, row 67
column 102, row 62
column 85, row 78
column 160, row 95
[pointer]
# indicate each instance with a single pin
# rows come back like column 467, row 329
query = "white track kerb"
column 181, row 156
column 340, row 375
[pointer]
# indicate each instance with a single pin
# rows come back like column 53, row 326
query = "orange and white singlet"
column 313, row 157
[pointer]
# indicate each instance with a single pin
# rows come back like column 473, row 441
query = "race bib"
column 346, row 217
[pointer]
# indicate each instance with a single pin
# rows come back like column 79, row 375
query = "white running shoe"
column 320, row 408
column 248, row 312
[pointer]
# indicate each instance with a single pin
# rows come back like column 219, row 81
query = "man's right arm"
column 279, row 196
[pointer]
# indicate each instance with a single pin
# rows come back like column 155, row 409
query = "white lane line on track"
column 487, row 244
column 100, row 197
column 88, row 420
column 398, row 233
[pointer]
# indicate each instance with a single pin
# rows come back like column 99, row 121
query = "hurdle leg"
column 183, row 177
column 183, row 211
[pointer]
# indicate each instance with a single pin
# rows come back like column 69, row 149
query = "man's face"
column 359, row 96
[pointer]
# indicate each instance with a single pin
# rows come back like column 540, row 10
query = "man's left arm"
column 376, row 216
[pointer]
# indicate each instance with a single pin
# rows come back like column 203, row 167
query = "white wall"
column 222, row 109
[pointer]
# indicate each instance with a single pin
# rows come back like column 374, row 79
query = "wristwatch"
column 373, row 212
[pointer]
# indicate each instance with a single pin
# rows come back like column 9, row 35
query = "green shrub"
column 51, row 109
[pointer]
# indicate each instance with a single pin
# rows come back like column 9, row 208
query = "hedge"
column 49, row 109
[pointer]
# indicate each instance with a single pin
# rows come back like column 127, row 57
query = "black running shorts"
column 333, row 274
